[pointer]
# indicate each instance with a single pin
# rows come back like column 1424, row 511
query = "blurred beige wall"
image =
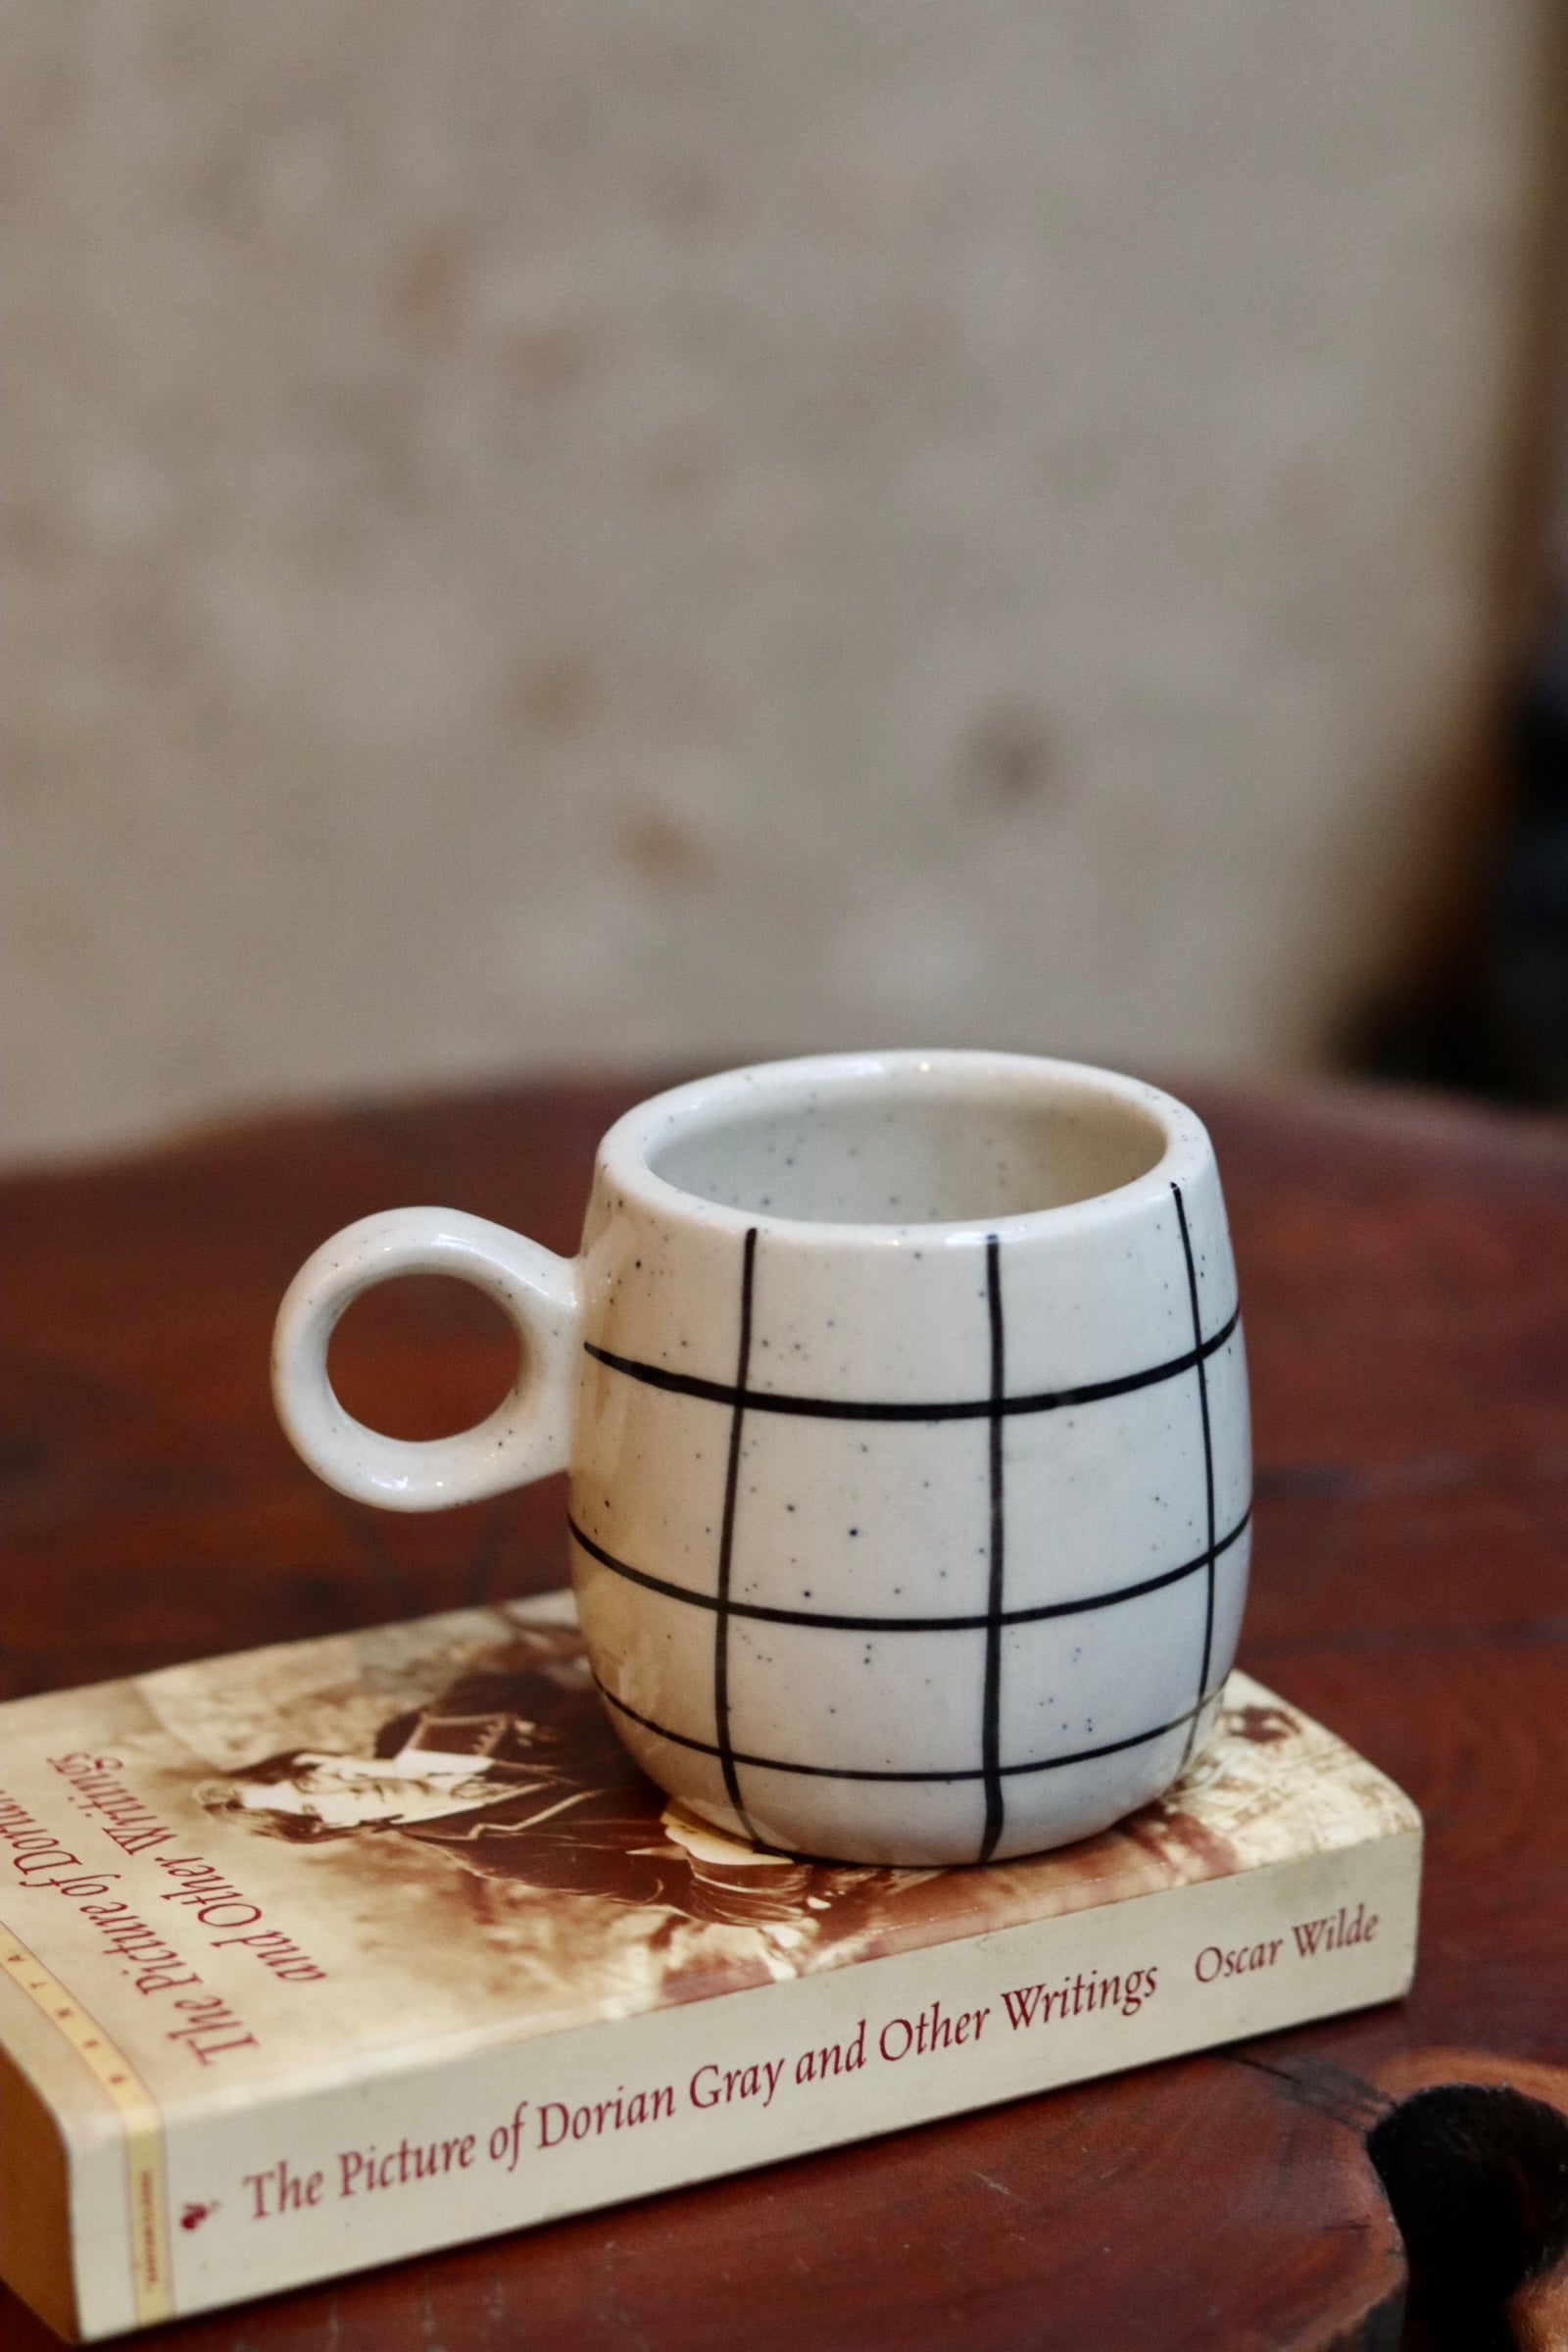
column 571, row 530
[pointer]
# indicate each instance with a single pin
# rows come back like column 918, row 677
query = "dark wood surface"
column 1404, row 1278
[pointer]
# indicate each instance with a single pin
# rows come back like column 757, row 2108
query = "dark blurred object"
column 1530, row 943
column 1491, row 1015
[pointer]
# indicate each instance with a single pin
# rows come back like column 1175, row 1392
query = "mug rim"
column 624, row 1160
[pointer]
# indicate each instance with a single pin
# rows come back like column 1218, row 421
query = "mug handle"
column 527, row 1435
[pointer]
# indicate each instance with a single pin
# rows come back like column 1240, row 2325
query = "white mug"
column 904, row 1404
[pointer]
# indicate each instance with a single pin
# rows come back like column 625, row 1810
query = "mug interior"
column 932, row 1144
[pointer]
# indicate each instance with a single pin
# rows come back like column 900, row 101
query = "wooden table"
column 1404, row 1276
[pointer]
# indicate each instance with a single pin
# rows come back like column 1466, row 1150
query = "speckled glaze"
column 904, row 1401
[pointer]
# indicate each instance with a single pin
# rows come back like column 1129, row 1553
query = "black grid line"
column 833, row 1621
column 1208, row 1457
column 963, row 1409
column 856, row 1772
column 726, row 1539
column 991, row 1704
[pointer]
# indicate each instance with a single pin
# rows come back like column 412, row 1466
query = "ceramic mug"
column 905, row 1405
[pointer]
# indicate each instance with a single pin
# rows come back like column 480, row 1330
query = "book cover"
column 325, row 1954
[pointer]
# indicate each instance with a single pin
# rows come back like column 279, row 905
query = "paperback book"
column 327, row 1954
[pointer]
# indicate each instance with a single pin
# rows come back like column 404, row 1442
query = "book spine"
column 313, row 2181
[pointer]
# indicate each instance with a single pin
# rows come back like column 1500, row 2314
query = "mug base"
column 928, row 1824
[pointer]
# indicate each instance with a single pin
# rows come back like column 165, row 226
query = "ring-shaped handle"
column 526, row 1436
